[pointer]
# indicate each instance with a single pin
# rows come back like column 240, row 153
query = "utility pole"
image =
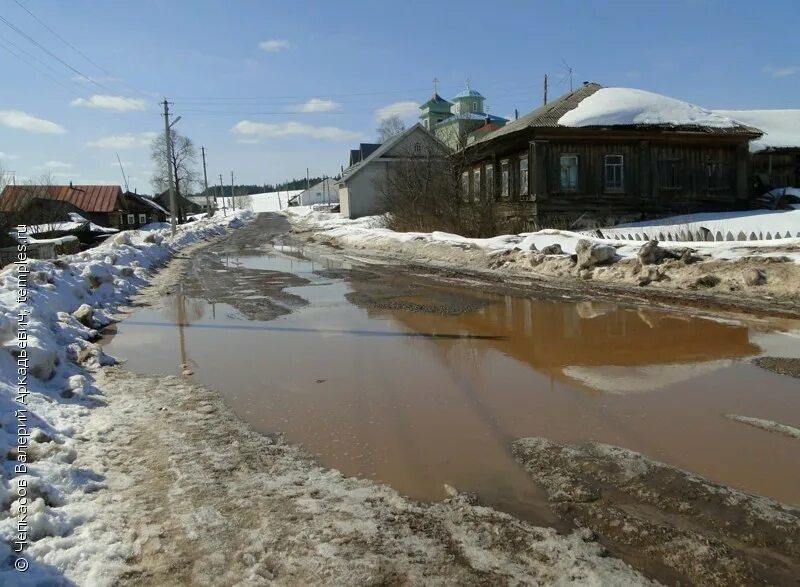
column 233, row 197
column 173, row 205
column 308, row 185
column 222, row 196
column 205, row 181
column 545, row 88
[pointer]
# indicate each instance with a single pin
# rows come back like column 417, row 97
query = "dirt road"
column 210, row 501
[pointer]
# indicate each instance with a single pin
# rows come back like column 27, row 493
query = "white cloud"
column 249, row 131
column 7, row 156
column 782, row 71
column 23, row 121
column 274, row 45
column 405, row 110
column 58, row 165
column 113, row 103
column 319, row 105
column 123, row 141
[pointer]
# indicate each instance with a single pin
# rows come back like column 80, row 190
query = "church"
column 459, row 122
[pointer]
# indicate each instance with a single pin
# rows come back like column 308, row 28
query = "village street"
column 276, row 394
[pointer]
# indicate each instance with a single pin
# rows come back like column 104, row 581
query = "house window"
column 504, row 178
column 474, row 106
column 669, row 174
column 465, row 186
column 614, row 171
column 490, row 181
column 523, row 175
column 715, row 174
column 569, row 172
column 131, row 219
column 476, row 182
column 417, row 148
column 142, row 218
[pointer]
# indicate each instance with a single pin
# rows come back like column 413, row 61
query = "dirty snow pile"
column 628, row 106
column 368, row 232
column 45, row 483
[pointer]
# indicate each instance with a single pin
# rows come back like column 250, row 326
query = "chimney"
column 516, row 114
column 70, row 184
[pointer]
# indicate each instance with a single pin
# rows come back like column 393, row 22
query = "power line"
column 62, row 39
column 51, row 54
column 33, row 67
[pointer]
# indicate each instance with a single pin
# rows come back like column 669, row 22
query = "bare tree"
column 183, row 161
column 389, row 127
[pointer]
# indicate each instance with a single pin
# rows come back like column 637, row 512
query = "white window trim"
column 505, row 179
column 142, row 218
column 131, row 219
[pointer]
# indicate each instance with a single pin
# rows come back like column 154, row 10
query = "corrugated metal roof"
column 89, row 198
column 547, row 116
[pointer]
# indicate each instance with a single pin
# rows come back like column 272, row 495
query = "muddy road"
column 424, row 381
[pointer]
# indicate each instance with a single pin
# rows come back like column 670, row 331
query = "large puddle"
column 382, row 379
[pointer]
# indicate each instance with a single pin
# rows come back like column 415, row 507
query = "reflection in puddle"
column 419, row 399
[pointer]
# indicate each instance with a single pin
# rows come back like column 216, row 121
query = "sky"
column 272, row 88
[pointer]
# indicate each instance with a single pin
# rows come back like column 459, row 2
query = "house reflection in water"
column 593, row 345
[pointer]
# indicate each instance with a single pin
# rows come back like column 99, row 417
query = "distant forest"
column 246, row 190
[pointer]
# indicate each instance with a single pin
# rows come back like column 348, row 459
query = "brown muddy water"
column 419, row 385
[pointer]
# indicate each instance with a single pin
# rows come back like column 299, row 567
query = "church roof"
column 436, row 99
column 468, row 93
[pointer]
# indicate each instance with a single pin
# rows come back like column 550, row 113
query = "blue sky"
column 270, row 88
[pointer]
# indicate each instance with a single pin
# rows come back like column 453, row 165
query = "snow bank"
column 628, row 106
column 781, row 127
column 55, row 492
column 368, row 231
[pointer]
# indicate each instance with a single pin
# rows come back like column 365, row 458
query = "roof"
column 364, row 150
column 386, row 146
column 781, row 127
column 552, row 115
column 89, row 198
column 473, row 116
column 468, row 93
column 621, row 107
column 436, row 99
column 142, row 199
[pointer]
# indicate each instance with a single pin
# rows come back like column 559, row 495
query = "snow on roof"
column 781, row 127
column 629, row 107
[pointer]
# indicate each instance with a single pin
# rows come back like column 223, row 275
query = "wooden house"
column 104, row 205
column 775, row 156
column 602, row 155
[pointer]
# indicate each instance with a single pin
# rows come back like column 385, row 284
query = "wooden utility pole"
column 222, row 196
column 233, row 197
column 205, row 181
column 545, row 88
column 173, row 205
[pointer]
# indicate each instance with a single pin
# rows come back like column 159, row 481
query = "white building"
column 324, row 192
column 359, row 188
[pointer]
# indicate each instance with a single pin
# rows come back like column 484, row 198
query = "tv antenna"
column 125, row 179
column 567, row 73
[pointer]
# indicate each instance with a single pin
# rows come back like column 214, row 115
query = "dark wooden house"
column 776, row 155
column 105, row 205
column 544, row 173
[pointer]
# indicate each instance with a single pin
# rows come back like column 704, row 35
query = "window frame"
column 131, row 219
column 505, row 179
column 620, row 166
column 561, row 185
column 142, row 218
column 674, row 166
column 476, row 182
column 489, row 180
column 715, row 182
column 465, row 186
column 524, row 177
